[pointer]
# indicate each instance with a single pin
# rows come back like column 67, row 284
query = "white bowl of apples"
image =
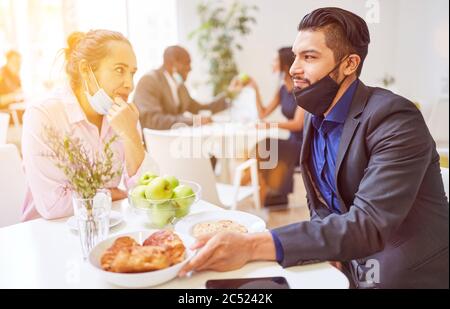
column 163, row 199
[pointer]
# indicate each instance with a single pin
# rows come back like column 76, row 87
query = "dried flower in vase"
column 85, row 175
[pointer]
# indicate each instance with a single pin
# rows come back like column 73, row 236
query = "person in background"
column 276, row 183
column 100, row 65
column 162, row 98
column 10, row 83
column 370, row 168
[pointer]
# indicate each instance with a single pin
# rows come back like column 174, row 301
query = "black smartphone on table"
column 249, row 283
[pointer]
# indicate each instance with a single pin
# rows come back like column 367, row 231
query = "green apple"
column 138, row 197
column 146, row 178
column 184, row 197
column 162, row 214
column 244, row 77
column 173, row 181
column 158, row 189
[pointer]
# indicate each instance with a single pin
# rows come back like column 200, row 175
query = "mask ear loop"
column 340, row 62
column 97, row 84
column 86, row 86
column 95, row 79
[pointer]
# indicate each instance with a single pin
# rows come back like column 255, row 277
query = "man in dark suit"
column 162, row 98
column 370, row 169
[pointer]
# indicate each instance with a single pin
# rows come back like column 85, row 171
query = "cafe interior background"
column 409, row 53
column 409, row 50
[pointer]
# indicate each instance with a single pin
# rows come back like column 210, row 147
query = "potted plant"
column 217, row 38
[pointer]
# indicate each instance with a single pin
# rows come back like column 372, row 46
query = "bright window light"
column 38, row 30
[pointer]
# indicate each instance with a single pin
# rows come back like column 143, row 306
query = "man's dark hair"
column 286, row 57
column 345, row 32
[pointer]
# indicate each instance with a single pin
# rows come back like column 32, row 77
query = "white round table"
column 47, row 254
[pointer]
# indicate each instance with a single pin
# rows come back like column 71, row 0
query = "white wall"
column 410, row 42
column 422, row 50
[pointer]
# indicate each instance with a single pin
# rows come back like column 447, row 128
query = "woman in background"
column 10, row 83
column 277, row 182
column 100, row 66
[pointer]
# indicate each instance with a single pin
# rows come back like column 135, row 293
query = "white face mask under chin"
column 100, row 101
column 177, row 78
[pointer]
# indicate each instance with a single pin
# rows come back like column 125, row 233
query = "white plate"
column 138, row 280
column 115, row 218
column 253, row 223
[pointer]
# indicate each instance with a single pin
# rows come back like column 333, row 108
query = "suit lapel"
column 305, row 154
column 307, row 136
column 351, row 124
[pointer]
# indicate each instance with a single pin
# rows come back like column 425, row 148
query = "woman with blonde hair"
column 100, row 66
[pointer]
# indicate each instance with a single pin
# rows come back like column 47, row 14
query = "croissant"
column 161, row 250
column 140, row 259
column 110, row 254
column 170, row 241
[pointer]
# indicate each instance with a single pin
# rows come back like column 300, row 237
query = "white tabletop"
column 47, row 254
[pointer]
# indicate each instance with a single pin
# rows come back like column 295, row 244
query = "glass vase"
column 92, row 216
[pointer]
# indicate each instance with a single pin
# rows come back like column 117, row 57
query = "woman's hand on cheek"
column 123, row 118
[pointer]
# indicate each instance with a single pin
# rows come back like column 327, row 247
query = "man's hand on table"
column 229, row 251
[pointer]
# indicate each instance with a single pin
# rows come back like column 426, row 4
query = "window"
column 38, row 30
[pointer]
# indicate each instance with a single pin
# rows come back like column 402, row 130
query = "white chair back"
column 438, row 122
column 169, row 156
column 12, row 185
column 4, row 124
column 445, row 180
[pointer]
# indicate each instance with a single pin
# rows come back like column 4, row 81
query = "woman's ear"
column 351, row 64
column 83, row 69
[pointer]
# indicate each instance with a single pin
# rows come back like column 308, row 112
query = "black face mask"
column 317, row 98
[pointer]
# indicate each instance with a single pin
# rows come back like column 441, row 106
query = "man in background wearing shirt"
column 162, row 98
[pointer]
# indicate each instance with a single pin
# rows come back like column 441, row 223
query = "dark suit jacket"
column 396, row 212
column 157, row 107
